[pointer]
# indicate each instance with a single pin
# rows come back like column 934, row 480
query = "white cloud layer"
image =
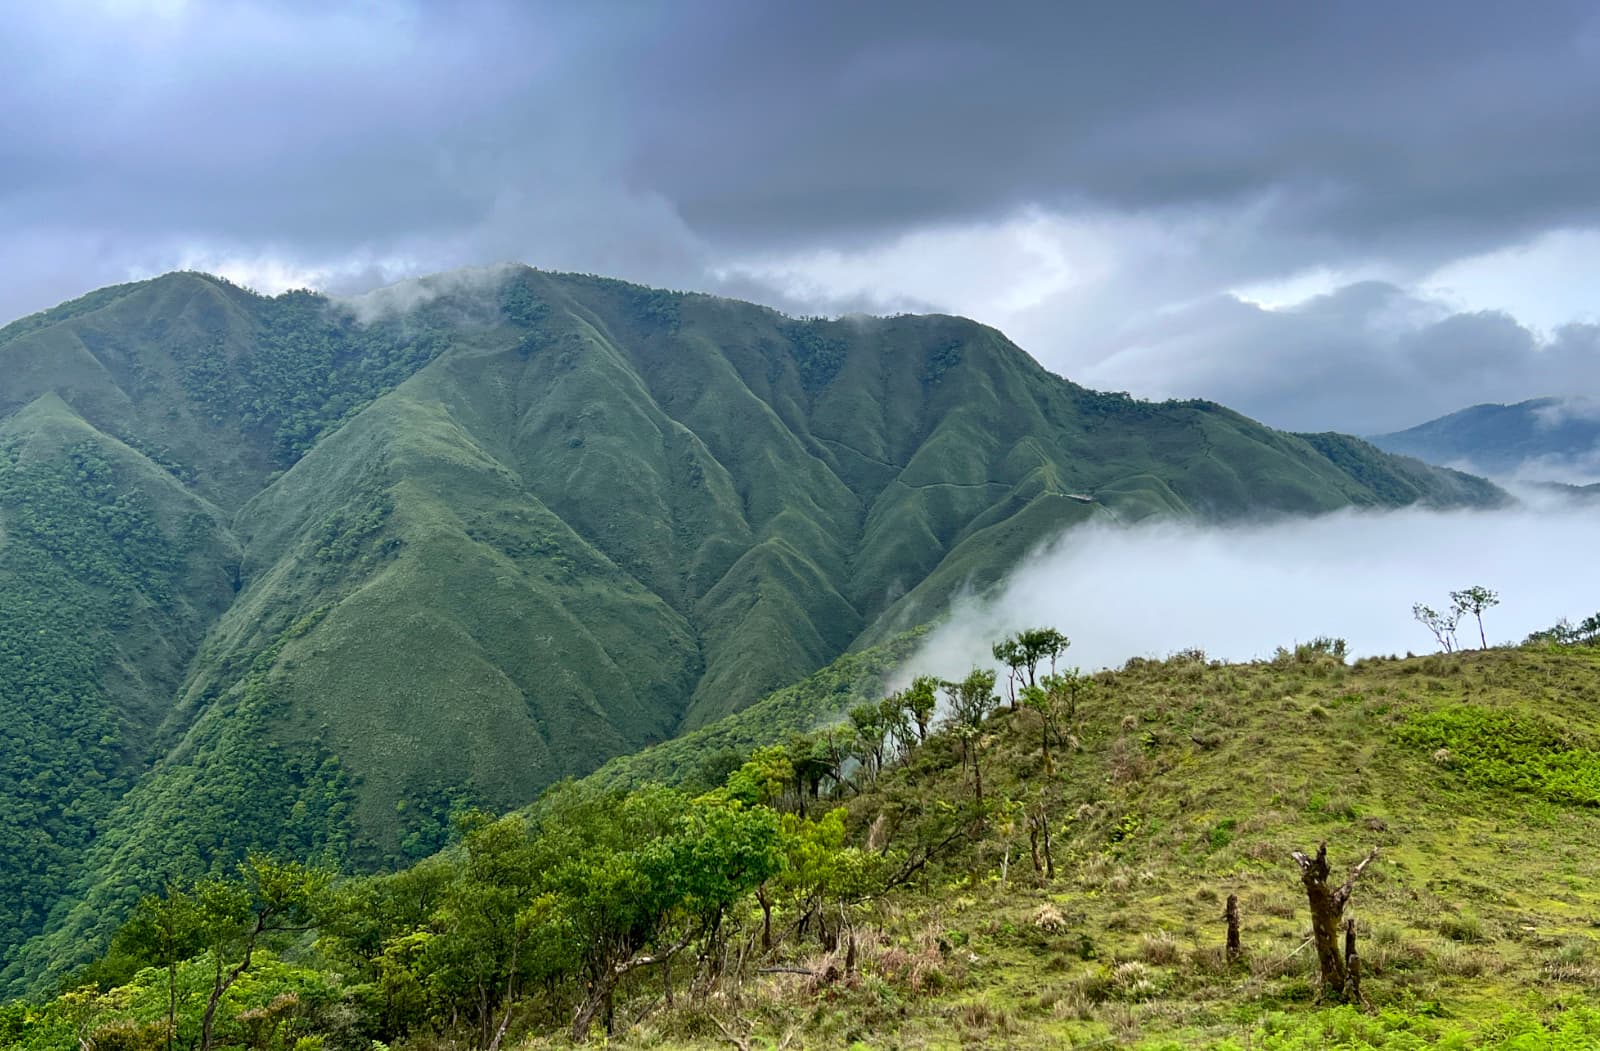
column 1239, row 592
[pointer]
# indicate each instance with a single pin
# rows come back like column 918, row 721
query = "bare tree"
column 1443, row 625
column 1327, row 915
column 1039, row 841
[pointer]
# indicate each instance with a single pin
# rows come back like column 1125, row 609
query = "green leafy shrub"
column 1520, row 753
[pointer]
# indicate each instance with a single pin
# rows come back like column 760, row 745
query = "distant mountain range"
column 312, row 576
column 1544, row 440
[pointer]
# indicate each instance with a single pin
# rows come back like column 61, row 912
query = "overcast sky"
column 1342, row 215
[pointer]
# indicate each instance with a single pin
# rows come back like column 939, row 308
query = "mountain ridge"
column 1542, row 439
column 449, row 555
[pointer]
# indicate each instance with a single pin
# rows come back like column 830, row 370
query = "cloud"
column 1547, row 281
column 1240, row 592
column 1558, row 411
column 480, row 283
column 1367, row 358
column 1400, row 128
column 1080, row 177
column 994, row 269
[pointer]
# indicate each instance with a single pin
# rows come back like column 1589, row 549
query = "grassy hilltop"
column 291, row 574
column 926, row 918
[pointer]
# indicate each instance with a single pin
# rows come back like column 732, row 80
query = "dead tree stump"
column 1352, row 964
column 1231, row 914
column 1327, row 914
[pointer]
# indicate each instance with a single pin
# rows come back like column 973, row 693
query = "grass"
column 1477, row 924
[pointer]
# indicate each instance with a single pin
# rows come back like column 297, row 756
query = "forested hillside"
column 311, row 577
column 949, row 867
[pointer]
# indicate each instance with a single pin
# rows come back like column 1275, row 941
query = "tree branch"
column 915, row 862
column 1342, row 895
column 645, row 961
column 1313, row 868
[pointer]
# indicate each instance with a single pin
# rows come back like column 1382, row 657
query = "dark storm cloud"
column 786, row 122
column 314, row 125
column 1420, row 122
column 351, row 143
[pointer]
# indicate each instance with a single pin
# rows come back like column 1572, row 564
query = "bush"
column 1520, row 753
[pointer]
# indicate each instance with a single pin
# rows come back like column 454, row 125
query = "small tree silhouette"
column 1443, row 625
column 1474, row 600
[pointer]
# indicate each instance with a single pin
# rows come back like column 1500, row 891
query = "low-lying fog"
column 1239, row 592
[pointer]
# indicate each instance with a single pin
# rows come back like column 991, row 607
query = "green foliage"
column 1393, row 480
column 921, row 700
column 1475, row 600
column 911, row 909
column 1321, row 649
column 73, row 308
column 1023, row 652
column 1521, row 753
column 1352, row 1029
column 81, row 555
column 704, row 757
column 972, row 701
column 537, row 521
column 1565, row 633
column 574, row 893
column 818, row 353
column 311, row 367
column 941, row 360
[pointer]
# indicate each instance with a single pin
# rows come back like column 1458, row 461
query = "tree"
column 1055, row 698
column 266, row 897
column 1022, row 654
column 1327, row 915
column 165, row 931
column 1443, row 625
column 972, row 701
column 493, row 930
column 761, row 779
column 1474, row 600
column 810, row 760
column 820, row 873
column 871, row 731
column 1565, row 633
column 833, row 744
column 896, row 724
column 1039, row 841
column 921, row 701
column 637, row 879
column 383, row 927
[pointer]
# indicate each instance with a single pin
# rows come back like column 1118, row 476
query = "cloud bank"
column 1240, row 592
column 1124, row 189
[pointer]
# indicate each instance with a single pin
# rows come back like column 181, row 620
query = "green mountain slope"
column 345, row 569
column 1547, row 438
column 1072, row 896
